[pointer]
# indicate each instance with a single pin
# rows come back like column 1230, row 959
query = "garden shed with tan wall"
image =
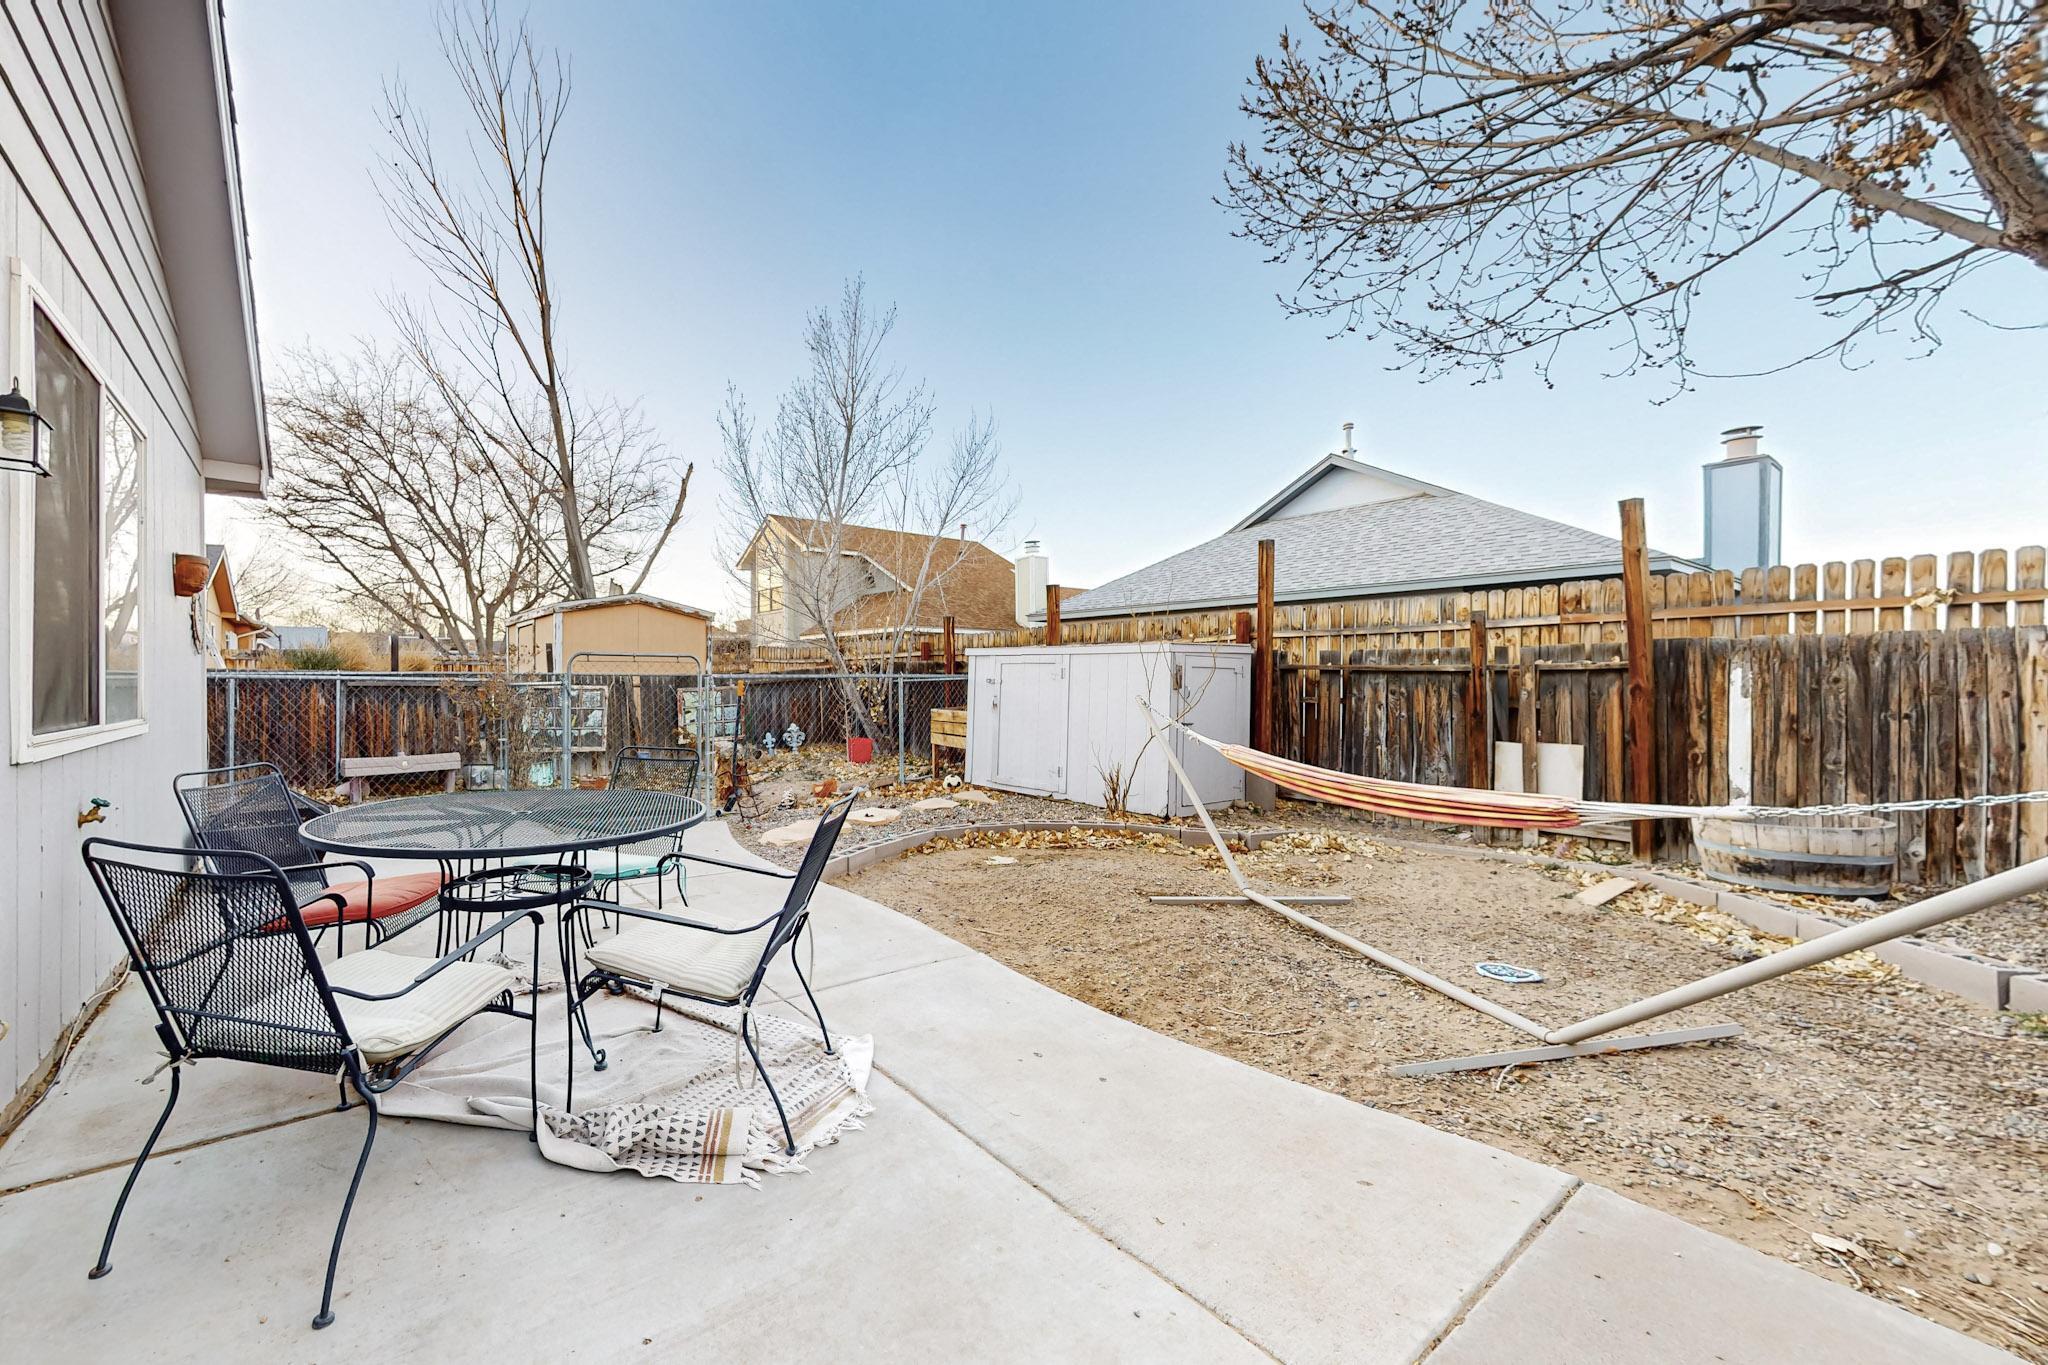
column 626, row 633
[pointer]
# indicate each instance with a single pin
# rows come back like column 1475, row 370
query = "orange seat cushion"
column 394, row 895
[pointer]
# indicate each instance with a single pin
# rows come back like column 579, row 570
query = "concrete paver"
column 1299, row 1217
column 1611, row 1280
column 902, row 1243
column 113, row 1087
column 1039, row 1181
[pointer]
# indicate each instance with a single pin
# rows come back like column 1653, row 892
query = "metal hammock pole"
column 1591, row 1035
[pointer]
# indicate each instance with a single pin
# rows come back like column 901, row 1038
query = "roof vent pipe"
column 1349, row 449
column 1741, row 443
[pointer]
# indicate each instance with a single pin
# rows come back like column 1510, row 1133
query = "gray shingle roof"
column 1437, row 540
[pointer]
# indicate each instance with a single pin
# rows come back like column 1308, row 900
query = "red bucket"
column 860, row 750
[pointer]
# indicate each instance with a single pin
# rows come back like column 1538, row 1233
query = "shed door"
column 1029, row 702
column 1212, row 700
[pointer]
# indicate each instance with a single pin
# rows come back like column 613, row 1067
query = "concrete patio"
column 1038, row 1181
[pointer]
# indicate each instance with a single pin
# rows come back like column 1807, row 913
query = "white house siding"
column 73, row 209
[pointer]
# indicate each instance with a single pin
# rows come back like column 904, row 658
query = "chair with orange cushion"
column 249, row 809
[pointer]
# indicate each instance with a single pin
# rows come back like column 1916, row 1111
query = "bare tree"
column 423, row 519
column 1480, row 182
column 270, row 584
column 849, row 447
column 478, row 223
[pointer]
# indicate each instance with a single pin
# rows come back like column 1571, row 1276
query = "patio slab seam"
column 1080, row 1219
column 164, row 1151
column 1515, row 1253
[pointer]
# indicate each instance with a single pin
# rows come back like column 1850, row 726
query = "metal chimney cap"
column 1737, row 433
column 1031, row 547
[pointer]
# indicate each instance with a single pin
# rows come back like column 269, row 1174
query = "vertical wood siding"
column 73, row 208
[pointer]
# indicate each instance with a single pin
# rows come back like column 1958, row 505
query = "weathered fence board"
column 1831, row 719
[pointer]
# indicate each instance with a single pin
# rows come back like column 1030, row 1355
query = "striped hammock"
column 1408, row 800
column 1448, row 805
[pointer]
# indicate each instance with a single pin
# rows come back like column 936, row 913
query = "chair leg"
column 341, row 1226
column 107, row 1246
column 578, row 1017
column 747, row 1037
column 533, row 1033
column 804, row 981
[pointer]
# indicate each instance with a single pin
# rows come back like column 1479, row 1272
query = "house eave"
column 174, row 71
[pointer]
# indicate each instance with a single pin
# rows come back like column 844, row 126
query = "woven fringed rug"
column 680, row 1103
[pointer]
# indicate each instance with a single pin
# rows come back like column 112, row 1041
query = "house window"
column 767, row 600
column 84, row 667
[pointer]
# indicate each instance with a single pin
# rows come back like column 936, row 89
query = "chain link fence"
column 494, row 730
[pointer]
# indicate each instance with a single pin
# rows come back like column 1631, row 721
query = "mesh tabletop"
column 517, row 824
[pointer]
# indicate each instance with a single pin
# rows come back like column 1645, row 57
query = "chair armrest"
column 325, row 865
column 451, row 957
column 637, row 912
column 778, row 873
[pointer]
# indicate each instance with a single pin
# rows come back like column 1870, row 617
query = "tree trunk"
column 1965, row 96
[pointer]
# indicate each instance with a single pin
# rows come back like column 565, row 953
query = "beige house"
column 226, row 634
column 626, row 633
column 880, row 573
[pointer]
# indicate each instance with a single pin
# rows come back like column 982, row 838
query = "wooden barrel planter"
column 1819, row 855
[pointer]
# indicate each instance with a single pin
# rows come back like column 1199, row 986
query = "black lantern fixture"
column 21, row 433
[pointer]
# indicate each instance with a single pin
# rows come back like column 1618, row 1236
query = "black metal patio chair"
column 230, row 967
column 249, row 809
column 713, row 963
column 647, row 767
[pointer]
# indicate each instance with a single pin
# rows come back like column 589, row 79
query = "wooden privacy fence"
column 1788, row 720
column 1990, row 589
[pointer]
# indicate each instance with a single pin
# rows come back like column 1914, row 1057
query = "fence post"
column 232, row 704
column 902, row 763
column 1052, row 614
column 568, row 753
column 1262, row 654
column 340, row 712
column 1479, row 713
column 1642, row 737
column 952, row 652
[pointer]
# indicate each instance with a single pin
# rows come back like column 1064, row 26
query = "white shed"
column 1055, row 720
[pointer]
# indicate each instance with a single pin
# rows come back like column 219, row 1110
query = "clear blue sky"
column 1033, row 187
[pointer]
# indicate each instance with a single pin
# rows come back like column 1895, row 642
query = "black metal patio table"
column 482, row 841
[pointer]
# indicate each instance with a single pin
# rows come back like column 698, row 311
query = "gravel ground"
column 2015, row 933
column 1880, row 1134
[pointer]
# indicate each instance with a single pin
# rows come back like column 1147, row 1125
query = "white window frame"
column 27, row 295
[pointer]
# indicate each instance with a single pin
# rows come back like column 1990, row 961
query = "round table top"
column 514, row 824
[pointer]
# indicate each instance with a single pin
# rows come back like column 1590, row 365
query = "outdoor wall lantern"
column 21, row 433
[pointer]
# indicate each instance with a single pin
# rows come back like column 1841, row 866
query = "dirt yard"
column 1881, row 1134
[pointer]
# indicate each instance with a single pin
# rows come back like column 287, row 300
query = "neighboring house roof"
column 615, row 600
column 1404, row 535
column 969, row 582
column 220, row 581
column 181, row 102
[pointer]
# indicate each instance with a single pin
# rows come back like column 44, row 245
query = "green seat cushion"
column 626, row 866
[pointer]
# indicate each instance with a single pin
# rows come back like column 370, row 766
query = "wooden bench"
column 949, row 731
column 358, row 771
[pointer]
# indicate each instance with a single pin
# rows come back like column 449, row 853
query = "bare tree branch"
column 1479, row 181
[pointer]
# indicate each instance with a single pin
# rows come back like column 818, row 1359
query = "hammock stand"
column 1600, row 1033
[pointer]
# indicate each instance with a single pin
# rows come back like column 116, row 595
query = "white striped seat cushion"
column 716, row 966
column 384, row 1029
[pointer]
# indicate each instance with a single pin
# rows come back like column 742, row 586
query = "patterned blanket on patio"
column 680, row 1102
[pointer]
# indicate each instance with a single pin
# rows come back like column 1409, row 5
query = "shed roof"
column 616, row 599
